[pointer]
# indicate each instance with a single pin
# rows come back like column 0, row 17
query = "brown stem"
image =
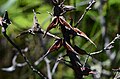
column 73, row 58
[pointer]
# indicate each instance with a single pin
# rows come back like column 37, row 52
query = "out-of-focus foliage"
column 20, row 12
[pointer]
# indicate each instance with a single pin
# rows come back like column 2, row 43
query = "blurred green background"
column 101, row 24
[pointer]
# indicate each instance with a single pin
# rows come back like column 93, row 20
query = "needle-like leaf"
column 53, row 24
column 63, row 22
column 82, row 34
column 70, row 48
column 36, row 25
column 55, row 46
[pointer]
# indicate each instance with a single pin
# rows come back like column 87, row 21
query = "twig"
column 14, row 64
column 56, row 63
column 40, row 31
column 36, row 28
column 4, row 23
column 108, row 47
column 85, row 61
column 11, row 68
column 86, row 10
column 117, row 75
column 25, row 58
column 116, row 70
column 48, row 68
column 47, row 61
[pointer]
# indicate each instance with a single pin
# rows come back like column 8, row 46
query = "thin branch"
column 47, row 61
column 56, row 64
column 86, row 10
column 117, row 75
column 107, row 47
column 11, row 68
column 36, row 28
column 116, row 70
column 86, row 60
column 14, row 63
column 60, row 59
column 41, row 31
column 25, row 58
column 48, row 68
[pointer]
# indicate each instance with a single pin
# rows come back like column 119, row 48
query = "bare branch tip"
column 118, row 35
column 18, row 36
